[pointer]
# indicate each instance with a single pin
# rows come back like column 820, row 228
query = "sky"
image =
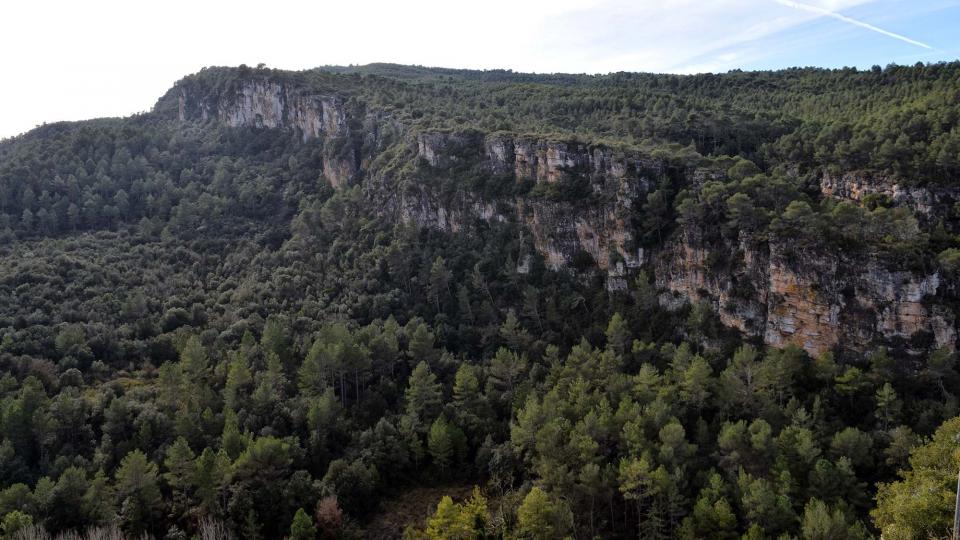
column 72, row 60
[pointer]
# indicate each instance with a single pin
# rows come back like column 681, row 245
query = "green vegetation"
column 898, row 119
column 199, row 334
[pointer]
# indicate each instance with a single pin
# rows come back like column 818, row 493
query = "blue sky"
column 685, row 36
column 69, row 60
column 828, row 42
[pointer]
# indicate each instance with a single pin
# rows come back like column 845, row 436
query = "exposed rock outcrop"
column 447, row 149
column 533, row 159
column 561, row 231
column 819, row 301
column 263, row 103
column 814, row 300
column 927, row 202
column 686, row 271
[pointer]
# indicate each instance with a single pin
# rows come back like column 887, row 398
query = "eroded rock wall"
column 814, row 300
column 927, row 202
column 270, row 104
column 819, row 301
column 562, row 232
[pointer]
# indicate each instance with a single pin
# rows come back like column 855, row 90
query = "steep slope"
column 587, row 205
column 287, row 298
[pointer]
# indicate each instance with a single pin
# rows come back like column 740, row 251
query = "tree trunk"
column 593, row 529
column 956, row 512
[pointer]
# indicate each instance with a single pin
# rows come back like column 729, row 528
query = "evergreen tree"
column 440, row 443
column 423, row 393
column 919, row 504
column 138, row 493
column 68, row 505
column 179, row 463
column 618, row 335
column 540, row 517
column 302, row 527
column 14, row 522
column 440, row 278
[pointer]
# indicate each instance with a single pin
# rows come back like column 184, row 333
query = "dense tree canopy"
column 199, row 334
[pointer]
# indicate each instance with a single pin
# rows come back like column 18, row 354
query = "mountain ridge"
column 623, row 306
column 546, row 163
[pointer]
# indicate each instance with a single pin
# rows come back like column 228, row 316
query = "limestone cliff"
column 928, row 202
column 262, row 103
column 817, row 300
column 559, row 230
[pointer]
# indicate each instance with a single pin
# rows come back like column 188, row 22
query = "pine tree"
column 420, row 348
column 712, row 516
column 440, row 443
column 466, row 388
column 506, row 370
column 68, row 505
column 819, row 523
column 99, row 500
column 27, row 220
column 439, row 282
column 741, row 378
column 138, row 493
column 250, row 529
column 443, row 523
column 239, row 379
column 302, row 527
column 919, row 504
column 539, row 517
column 311, row 377
column 636, row 481
column 276, row 340
column 696, row 383
column 888, row 406
column 179, row 462
column 474, row 516
column 452, row 521
column 194, row 360
column 618, row 335
column 15, row 521
column 211, row 475
column 423, row 393
column 514, row 335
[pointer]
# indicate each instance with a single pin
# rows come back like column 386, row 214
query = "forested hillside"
column 619, row 306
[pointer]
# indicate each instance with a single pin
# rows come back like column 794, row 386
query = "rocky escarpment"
column 817, row 301
column 262, row 103
column 927, row 202
column 564, row 232
column 580, row 206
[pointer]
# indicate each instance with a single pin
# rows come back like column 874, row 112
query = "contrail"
column 844, row 18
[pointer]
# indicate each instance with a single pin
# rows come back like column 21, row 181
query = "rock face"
column 269, row 104
column 548, row 162
column 563, row 232
column 926, row 202
column 819, row 301
column 816, row 301
column 441, row 150
column 685, row 271
column 798, row 311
